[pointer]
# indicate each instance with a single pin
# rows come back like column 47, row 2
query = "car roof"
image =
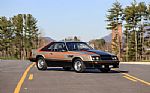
column 68, row 41
column 60, row 42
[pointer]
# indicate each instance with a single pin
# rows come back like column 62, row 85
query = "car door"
column 58, row 54
column 47, row 51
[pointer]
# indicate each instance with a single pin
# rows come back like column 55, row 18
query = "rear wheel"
column 41, row 64
column 79, row 65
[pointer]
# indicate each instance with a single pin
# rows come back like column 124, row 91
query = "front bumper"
column 99, row 64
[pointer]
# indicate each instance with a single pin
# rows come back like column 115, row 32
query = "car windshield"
column 77, row 46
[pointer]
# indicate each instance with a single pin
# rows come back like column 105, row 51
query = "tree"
column 142, row 12
column 126, row 33
column 5, row 36
column 18, row 28
column 99, row 44
column 134, row 16
column 114, row 19
column 131, row 21
column 147, row 33
column 31, row 33
column 18, row 36
column 75, row 38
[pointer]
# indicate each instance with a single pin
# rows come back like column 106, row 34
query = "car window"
column 49, row 47
column 72, row 46
column 59, row 47
column 55, row 46
column 77, row 46
column 82, row 46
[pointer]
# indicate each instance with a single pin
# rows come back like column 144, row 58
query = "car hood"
column 99, row 52
column 94, row 52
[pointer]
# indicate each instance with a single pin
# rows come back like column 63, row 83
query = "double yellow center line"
column 129, row 78
column 135, row 79
column 132, row 78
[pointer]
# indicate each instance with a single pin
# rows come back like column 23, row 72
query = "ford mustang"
column 76, row 55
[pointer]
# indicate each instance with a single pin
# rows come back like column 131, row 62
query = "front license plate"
column 103, row 66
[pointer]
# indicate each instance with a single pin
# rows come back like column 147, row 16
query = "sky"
column 60, row 19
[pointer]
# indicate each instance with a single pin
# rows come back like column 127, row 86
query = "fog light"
column 97, row 58
column 114, row 58
column 103, row 66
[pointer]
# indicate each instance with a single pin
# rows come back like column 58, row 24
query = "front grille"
column 106, row 57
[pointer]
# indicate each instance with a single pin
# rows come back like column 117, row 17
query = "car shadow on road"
column 58, row 69
column 88, row 70
column 118, row 71
column 111, row 71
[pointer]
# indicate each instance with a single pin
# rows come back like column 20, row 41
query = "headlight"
column 95, row 58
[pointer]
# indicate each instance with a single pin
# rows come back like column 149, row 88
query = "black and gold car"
column 76, row 55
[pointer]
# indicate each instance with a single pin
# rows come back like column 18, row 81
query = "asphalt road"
column 23, row 77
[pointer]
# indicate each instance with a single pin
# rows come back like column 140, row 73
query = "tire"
column 41, row 64
column 104, row 70
column 78, row 65
column 67, row 68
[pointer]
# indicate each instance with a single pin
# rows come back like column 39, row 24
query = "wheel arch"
column 39, row 56
column 82, row 67
column 75, row 59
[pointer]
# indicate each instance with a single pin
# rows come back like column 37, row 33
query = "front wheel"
column 79, row 65
column 41, row 64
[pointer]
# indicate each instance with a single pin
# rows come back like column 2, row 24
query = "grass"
column 145, row 60
column 8, row 58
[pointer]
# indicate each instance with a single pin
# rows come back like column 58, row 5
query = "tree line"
column 134, row 19
column 75, row 38
column 100, row 44
column 18, row 36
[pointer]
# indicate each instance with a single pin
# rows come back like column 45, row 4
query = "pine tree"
column 147, row 37
column 135, row 15
column 31, row 33
column 18, row 25
column 5, row 36
column 132, row 19
column 142, row 12
column 114, row 19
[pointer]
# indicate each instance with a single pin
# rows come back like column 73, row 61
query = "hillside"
column 45, row 41
column 108, row 38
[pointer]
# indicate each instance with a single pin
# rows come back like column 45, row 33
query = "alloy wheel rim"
column 40, row 63
column 77, row 65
